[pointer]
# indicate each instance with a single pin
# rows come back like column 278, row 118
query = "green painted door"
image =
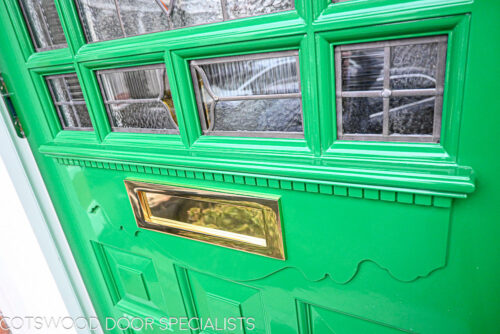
column 307, row 167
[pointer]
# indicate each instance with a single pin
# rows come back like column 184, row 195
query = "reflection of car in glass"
column 253, row 94
column 412, row 67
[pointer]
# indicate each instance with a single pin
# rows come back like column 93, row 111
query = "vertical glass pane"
column 256, row 95
column 362, row 69
column 100, row 20
column 194, row 12
column 44, row 24
column 411, row 115
column 68, row 99
column 138, row 99
column 362, row 115
column 414, row 66
column 244, row 8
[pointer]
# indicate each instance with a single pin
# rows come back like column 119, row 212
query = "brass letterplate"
column 247, row 223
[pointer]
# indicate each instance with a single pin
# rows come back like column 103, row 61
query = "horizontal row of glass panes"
column 391, row 91
column 111, row 19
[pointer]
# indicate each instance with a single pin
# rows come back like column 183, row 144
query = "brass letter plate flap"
column 247, row 223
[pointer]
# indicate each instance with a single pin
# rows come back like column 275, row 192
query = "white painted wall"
column 27, row 287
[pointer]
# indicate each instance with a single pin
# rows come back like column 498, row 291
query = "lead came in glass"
column 392, row 90
column 43, row 24
column 68, row 98
column 255, row 95
column 111, row 19
column 138, row 99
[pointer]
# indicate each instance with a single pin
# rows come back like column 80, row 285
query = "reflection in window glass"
column 43, row 24
column 391, row 91
column 138, row 99
column 249, row 95
column 110, row 19
column 68, row 98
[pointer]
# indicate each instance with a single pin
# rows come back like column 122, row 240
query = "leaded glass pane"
column 142, row 17
column 138, row 99
column 414, row 66
column 391, row 90
column 411, row 115
column 362, row 115
column 68, row 98
column 249, row 95
column 362, row 69
column 100, row 20
column 111, row 19
column 44, row 24
column 187, row 13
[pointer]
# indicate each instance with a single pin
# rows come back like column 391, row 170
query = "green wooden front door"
column 377, row 224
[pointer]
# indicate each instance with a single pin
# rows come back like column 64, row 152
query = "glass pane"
column 68, row 98
column 194, row 12
column 283, row 115
column 111, row 19
column 44, row 24
column 253, row 77
column 411, row 115
column 405, row 77
column 362, row 115
column 414, row 66
column 362, row 69
column 244, row 8
column 139, row 98
column 74, row 117
column 146, row 115
column 142, row 16
column 100, row 20
column 260, row 94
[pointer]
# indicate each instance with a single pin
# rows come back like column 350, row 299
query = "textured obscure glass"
column 362, row 115
column 282, row 115
column 194, row 12
column 142, row 16
column 392, row 88
column 362, row 69
column 110, row 19
column 414, row 66
column 44, row 24
column 256, row 95
column 68, row 98
column 139, row 99
column 243, row 8
column 409, row 115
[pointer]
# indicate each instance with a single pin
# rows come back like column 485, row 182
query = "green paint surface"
column 379, row 237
